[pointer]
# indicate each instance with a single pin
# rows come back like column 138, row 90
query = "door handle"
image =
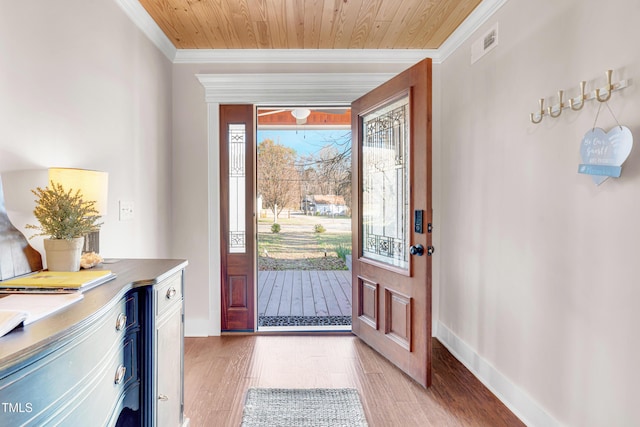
column 416, row 250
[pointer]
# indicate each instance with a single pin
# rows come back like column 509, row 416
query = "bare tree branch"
column 276, row 171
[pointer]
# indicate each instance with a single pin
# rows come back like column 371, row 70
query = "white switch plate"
column 126, row 211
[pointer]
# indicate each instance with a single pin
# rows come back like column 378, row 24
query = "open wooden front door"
column 391, row 128
column 236, row 217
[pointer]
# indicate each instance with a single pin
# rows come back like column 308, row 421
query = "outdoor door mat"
column 278, row 407
column 304, row 320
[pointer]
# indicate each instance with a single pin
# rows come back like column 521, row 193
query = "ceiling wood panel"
column 458, row 12
column 417, row 20
column 316, row 24
column 363, row 24
column 277, row 19
column 241, row 23
column 308, row 24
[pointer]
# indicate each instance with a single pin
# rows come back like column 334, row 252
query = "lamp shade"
column 93, row 185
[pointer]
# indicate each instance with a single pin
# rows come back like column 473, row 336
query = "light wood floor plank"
column 219, row 370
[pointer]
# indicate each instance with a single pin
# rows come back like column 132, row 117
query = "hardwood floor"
column 218, row 371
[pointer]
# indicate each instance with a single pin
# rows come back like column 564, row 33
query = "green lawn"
column 297, row 247
column 333, row 240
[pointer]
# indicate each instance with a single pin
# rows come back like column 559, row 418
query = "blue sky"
column 305, row 142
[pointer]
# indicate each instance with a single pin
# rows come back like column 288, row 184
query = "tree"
column 277, row 176
column 329, row 170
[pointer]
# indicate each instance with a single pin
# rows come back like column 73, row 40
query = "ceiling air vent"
column 484, row 44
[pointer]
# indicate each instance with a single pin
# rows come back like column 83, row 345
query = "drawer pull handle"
column 163, row 397
column 120, row 372
column 121, row 321
column 171, row 292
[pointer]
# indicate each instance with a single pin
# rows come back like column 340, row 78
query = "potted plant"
column 65, row 217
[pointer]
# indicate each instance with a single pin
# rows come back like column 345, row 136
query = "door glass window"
column 237, row 177
column 385, row 184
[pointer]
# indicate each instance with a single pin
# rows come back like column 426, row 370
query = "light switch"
column 126, row 211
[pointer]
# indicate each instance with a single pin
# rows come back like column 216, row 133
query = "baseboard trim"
column 516, row 399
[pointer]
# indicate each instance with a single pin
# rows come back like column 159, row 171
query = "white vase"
column 62, row 254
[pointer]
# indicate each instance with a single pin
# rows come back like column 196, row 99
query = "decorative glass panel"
column 385, row 184
column 237, row 177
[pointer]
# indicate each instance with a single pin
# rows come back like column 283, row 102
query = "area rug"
column 317, row 407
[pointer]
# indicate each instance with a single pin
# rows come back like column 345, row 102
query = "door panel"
column 236, row 217
column 391, row 128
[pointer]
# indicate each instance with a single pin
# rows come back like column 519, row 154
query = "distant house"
column 324, row 205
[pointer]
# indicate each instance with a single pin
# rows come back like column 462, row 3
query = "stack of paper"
column 26, row 309
column 10, row 319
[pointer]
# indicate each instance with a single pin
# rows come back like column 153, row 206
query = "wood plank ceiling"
column 308, row 24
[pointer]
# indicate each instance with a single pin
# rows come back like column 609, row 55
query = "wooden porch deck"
column 304, row 293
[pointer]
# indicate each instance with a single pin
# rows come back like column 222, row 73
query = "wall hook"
column 560, row 107
column 583, row 97
column 603, row 95
column 541, row 113
column 609, row 88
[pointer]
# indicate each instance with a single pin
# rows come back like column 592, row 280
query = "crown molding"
column 304, row 56
column 143, row 21
column 289, row 88
column 141, row 18
column 479, row 16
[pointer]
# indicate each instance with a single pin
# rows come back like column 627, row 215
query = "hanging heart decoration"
column 603, row 153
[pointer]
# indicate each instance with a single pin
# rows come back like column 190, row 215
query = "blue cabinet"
column 113, row 359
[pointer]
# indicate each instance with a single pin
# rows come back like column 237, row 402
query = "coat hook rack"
column 601, row 94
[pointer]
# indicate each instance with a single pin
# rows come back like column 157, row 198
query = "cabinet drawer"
column 103, row 398
column 167, row 293
column 50, row 385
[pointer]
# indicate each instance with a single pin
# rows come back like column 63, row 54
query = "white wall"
column 538, row 266
column 192, row 219
column 81, row 86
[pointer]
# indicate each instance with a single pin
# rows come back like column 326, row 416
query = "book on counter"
column 56, row 281
column 23, row 309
